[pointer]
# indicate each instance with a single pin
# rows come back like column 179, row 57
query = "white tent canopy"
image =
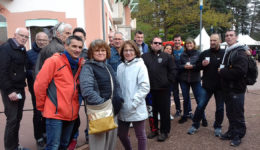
column 205, row 40
column 245, row 39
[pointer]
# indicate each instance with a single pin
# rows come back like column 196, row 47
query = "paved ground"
column 204, row 139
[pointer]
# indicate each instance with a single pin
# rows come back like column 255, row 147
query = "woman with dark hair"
column 97, row 87
column 190, row 77
column 168, row 48
column 134, row 82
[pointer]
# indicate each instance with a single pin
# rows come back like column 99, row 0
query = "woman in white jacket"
column 134, row 82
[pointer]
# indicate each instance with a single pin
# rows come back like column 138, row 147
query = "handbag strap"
column 112, row 83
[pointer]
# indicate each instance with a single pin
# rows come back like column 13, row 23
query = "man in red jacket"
column 56, row 91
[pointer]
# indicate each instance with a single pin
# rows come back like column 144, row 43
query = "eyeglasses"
column 23, row 36
column 128, row 50
column 41, row 40
column 160, row 43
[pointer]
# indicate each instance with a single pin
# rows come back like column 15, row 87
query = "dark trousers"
column 13, row 112
column 38, row 120
column 235, row 113
column 219, row 114
column 139, row 127
column 175, row 89
column 161, row 103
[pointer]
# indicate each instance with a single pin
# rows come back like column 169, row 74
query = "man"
column 115, row 59
column 139, row 40
column 41, row 40
column 177, row 51
column 61, row 32
column 12, row 76
column 162, row 71
column 232, row 72
column 209, row 61
column 80, row 32
column 110, row 38
column 56, row 95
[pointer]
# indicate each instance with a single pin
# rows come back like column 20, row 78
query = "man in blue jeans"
column 209, row 62
column 232, row 72
column 56, row 91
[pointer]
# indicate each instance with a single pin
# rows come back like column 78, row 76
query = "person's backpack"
column 252, row 72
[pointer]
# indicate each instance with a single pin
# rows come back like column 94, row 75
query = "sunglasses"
column 160, row 43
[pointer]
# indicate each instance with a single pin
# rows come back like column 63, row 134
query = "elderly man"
column 61, row 32
column 139, row 40
column 161, row 69
column 115, row 59
column 41, row 40
column 209, row 62
column 110, row 38
column 232, row 72
column 57, row 93
column 12, row 76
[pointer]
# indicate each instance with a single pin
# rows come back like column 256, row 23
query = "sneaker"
column 182, row 120
column 162, row 137
column 171, row 117
column 72, row 145
column 236, row 141
column 217, row 132
column 22, row 148
column 204, row 123
column 190, row 116
column 131, row 125
column 151, row 135
column 178, row 113
column 40, row 144
column 226, row 136
column 192, row 130
column 87, row 139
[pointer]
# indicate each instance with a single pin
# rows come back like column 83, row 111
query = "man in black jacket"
column 162, row 70
column 12, row 76
column 209, row 61
column 232, row 72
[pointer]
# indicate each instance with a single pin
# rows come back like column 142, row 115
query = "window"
column 3, row 29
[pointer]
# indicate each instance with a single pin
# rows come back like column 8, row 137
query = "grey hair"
column 61, row 27
column 40, row 33
column 117, row 32
column 68, row 40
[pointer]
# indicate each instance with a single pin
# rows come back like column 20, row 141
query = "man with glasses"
column 41, row 40
column 162, row 71
column 115, row 59
column 12, row 79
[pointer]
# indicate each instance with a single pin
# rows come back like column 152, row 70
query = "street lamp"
column 201, row 7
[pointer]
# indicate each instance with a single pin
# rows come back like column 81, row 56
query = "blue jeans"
column 235, row 113
column 175, row 89
column 196, row 89
column 58, row 134
column 205, row 97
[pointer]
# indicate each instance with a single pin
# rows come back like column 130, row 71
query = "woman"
column 168, row 49
column 96, row 87
column 134, row 81
column 190, row 77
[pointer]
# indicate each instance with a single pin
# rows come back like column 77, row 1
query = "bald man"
column 41, row 40
column 12, row 79
column 209, row 62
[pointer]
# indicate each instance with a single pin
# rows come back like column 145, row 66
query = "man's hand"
column 188, row 66
column 205, row 63
column 13, row 96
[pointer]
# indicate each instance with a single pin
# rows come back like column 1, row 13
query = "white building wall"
column 72, row 8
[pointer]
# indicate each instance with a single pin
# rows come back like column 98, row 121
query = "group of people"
column 61, row 73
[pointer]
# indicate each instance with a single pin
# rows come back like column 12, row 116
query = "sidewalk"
column 204, row 139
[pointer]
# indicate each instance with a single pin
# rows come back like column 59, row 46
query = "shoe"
column 236, row 141
column 190, row 116
column 204, row 123
column 162, row 137
column 171, row 117
column 159, row 117
column 226, row 136
column 192, row 130
column 72, row 145
column 131, row 125
column 182, row 120
column 87, row 139
column 217, row 132
column 178, row 113
column 22, row 148
column 40, row 144
column 151, row 135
